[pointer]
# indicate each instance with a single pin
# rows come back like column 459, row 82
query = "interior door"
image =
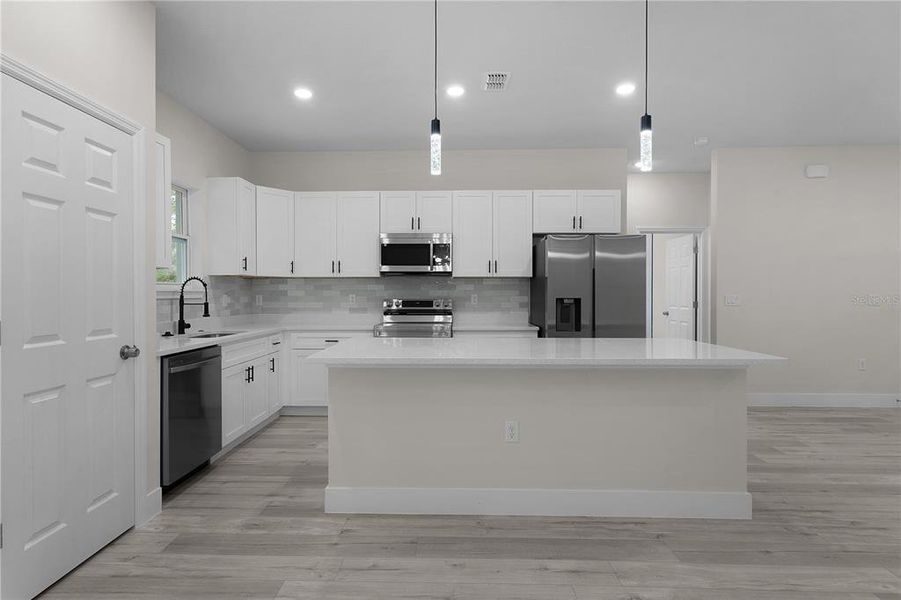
column 274, row 232
column 358, row 234
column 472, row 234
column 512, row 234
column 398, row 212
column 680, row 287
column 314, row 234
column 434, row 213
column 68, row 398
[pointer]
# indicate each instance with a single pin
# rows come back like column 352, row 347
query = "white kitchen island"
column 600, row 427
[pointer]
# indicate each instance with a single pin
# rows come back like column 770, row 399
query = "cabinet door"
column 314, row 234
column 512, row 234
column 309, row 386
column 472, row 234
column 222, row 227
column 274, row 232
column 273, row 382
column 234, row 384
column 434, row 212
column 247, row 228
column 599, row 211
column 358, row 234
column 554, row 211
column 256, row 398
column 397, row 212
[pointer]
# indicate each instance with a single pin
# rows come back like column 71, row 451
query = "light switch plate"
column 732, row 300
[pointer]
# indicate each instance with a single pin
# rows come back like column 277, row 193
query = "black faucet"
column 182, row 325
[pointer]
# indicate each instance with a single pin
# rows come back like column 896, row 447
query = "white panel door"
column 273, row 382
column 472, row 234
column 68, row 399
column 234, row 384
column 275, row 232
column 512, row 234
column 598, row 211
column 162, row 201
column 554, row 211
column 310, row 381
column 434, row 212
column 398, row 212
column 680, row 287
column 315, row 216
column 256, row 399
column 247, row 227
column 358, row 234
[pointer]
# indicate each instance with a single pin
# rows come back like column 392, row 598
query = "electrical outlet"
column 732, row 300
column 511, row 431
column 861, row 364
column 474, row 299
column 225, row 300
column 259, row 299
column 352, row 299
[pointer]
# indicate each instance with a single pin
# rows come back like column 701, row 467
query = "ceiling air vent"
column 495, row 81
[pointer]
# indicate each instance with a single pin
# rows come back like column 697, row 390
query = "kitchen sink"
column 215, row 335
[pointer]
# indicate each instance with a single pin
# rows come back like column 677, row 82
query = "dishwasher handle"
column 192, row 366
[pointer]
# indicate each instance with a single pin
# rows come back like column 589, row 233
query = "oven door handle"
column 192, row 366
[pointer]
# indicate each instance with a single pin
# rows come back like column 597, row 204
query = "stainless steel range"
column 416, row 318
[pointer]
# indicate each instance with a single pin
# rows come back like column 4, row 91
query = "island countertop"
column 535, row 352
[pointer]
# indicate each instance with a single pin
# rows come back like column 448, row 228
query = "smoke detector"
column 495, row 81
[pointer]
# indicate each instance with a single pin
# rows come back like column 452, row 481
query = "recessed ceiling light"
column 455, row 91
column 303, row 93
column 701, row 141
column 625, row 89
column 638, row 165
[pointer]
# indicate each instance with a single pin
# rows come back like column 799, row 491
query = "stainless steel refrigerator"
column 589, row 286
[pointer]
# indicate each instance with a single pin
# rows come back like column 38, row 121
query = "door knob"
column 126, row 352
column 666, row 313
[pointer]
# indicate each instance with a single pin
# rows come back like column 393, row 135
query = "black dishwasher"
column 191, row 411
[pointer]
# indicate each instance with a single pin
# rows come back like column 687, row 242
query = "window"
column 178, row 222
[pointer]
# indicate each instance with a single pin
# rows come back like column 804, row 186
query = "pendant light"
column 435, row 136
column 645, row 162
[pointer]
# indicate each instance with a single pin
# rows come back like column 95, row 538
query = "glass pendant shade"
column 645, row 162
column 436, row 147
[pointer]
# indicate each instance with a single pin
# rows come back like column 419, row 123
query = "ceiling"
column 738, row 73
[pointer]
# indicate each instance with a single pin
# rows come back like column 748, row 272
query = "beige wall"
column 667, row 200
column 198, row 151
column 798, row 252
column 107, row 52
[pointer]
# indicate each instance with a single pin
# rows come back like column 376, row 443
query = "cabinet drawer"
column 234, row 354
column 303, row 341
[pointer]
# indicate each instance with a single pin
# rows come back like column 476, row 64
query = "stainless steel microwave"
column 416, row 253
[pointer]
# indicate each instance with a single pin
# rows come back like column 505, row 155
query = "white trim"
column 539, row 502
column 149, row 506
column 304, row 411
column 846, row 400
column 39, row 81
column 648, row 229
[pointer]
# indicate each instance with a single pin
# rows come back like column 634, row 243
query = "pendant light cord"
column 646, row 5
column 436, row 59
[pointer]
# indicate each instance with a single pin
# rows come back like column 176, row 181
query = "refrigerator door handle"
column 574, row 221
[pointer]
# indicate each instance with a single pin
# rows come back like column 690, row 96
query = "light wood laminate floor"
column 826, row 526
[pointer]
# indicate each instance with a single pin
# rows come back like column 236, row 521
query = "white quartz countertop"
column 529, row 352
column 183, row 343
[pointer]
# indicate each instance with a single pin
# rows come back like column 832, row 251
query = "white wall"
column 107, row 52
column 472, row 169
column 668, row 200
column 798, row 252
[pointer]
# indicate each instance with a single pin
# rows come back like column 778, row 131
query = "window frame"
column 171, row 289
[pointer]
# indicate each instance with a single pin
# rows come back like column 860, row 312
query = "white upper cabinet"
column 398, row 212
column 336, row 234
column 472, row 234
column 512, row 234
column 577, row 211
column 275, row 232
column 163, row 195
column 434, row 212
column 358, row 234
column 492, row 234
column 231, row 226
column 599, row 211
column 315, row 216
column 416, row 212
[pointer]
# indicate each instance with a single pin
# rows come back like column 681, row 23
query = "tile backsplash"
column 356, row 297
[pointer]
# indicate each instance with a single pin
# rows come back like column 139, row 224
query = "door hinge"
column 695, row 248
column 694, row 304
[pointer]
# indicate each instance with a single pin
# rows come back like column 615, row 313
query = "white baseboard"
column 538, row 502
column 826, row 400
column 150, row 506
column 305, row 411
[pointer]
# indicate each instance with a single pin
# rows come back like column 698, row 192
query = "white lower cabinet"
column 274, row 380
column 250, row 393
column 256, row 402
column 234, row 387
column 309, row 382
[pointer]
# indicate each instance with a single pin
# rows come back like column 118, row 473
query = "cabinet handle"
column 272, row 365
column 252, row 373
column 247, row 375
column 419, row 223
column 580, row 221
column 574, row 221
column 245, row 264
column 339, row 266
column 495, row 267
column 331, row 341
column 412, row 222
column 292, row 267
column 333, row 266
column 489, row 266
